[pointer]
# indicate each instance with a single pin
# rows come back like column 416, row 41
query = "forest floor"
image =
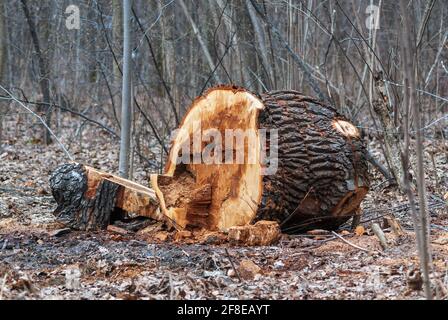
column 37, row 264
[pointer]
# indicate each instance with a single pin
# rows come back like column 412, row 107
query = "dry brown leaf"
column 162, row 235
column 359, row 231
column 30, row 184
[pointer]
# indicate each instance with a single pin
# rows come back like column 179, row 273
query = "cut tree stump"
column 313, row 173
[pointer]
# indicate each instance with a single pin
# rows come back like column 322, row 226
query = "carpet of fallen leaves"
column 36, row 263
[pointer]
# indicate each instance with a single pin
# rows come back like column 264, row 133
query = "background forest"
column 382, row 64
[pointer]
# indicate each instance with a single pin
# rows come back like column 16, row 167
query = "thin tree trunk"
column 117, row 33
column 44, row 82
column 261, row 42
column 201, row 41
column 409, row 75
column 2, row 65
column 126, row 93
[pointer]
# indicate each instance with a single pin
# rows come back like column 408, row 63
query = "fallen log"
column 88, row 199
column 236, row 159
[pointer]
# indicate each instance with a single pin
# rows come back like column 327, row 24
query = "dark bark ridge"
column 76, row 208
column 322, row 174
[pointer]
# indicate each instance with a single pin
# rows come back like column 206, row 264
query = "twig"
column 171, row 286
column 218, row 64
column 40, row 119
column 79, row 114
column 349, row 243
column 159, row 72
column 424, row 22
column 233, row 266
column 298, row 60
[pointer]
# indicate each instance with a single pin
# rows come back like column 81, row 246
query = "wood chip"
column 248, row 269
column 116, row 229
column 182, row 234
column 262, row 233
column 162, row 235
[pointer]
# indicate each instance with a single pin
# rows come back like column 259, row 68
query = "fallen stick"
column 233, row 266
column 349, row 243
column 380, row 235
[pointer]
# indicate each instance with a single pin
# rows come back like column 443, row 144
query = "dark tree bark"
column 320, row 181
column 88, row 199
column 75, row 209
column 322, row 170
column 44, row 82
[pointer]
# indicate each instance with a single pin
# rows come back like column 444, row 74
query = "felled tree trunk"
column 322, row 174
column 89, row 199
column 238, row 159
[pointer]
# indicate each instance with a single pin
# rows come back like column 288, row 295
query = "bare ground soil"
column 34, row 264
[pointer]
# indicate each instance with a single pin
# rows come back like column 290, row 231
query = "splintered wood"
column 236, row 159
column 262, row 233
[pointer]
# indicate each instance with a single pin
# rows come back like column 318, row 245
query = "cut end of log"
column 214, row 192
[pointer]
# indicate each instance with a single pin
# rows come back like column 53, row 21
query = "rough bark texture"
column 44, row 73
column 322, row 169
column 320, row 180
column 88, row 199
column 391, row 136
column 75, row 209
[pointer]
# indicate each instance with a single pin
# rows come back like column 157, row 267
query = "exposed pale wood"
column 262, row 233
column 131, row 196
column 320, row 180
column 235, row 188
